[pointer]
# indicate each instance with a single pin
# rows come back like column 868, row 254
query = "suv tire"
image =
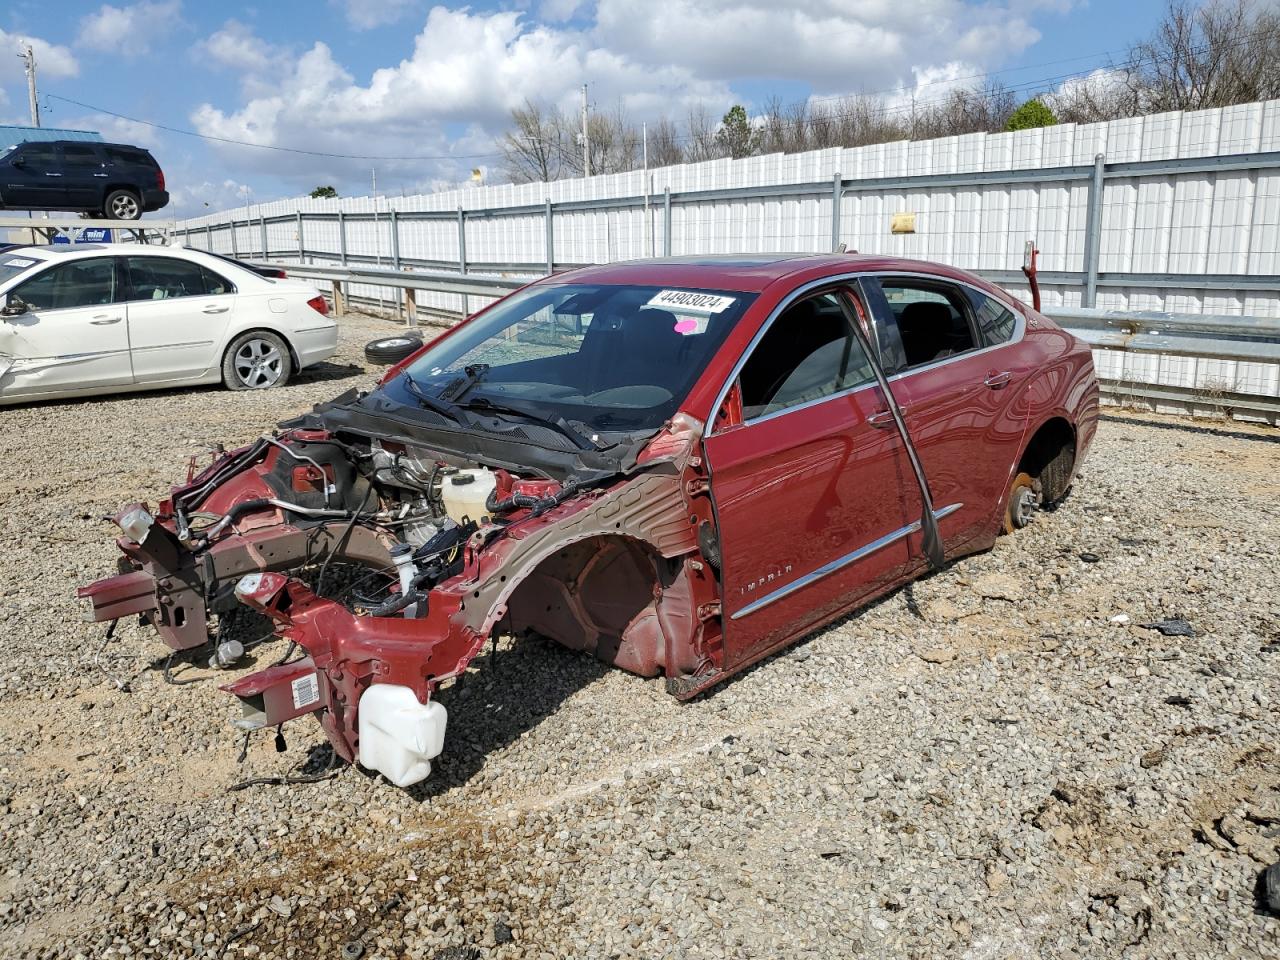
column 123, row 205
column 255, row 361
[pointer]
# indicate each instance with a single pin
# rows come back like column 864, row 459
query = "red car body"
column 728, row 532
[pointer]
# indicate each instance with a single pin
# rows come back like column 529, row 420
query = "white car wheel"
column 256, row 361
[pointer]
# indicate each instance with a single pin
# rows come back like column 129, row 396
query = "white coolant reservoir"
column 398, row 735
column 464, row 494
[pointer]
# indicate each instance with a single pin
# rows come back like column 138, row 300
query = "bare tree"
column 700, row 142
column 532, row 151
column 664, row 144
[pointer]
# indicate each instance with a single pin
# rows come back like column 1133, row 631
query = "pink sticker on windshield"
column 686, row 326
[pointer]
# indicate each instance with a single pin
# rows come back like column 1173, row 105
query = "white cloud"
column 834, row 45
column 367, row 14
column 465, row 68
column 52, row 61
column 127, row 31
column 238, row 47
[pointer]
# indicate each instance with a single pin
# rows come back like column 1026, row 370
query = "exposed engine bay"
column 386, row 553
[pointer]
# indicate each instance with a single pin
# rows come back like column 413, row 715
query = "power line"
column 266, row 146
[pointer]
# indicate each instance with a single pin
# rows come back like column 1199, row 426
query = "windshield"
column 615, row 358
column 15, row 262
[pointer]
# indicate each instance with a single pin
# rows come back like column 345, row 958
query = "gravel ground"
column 996, row 762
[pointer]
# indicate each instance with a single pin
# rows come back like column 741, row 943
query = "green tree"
column 1031, row 114
column 735, row 136
column 324, row 193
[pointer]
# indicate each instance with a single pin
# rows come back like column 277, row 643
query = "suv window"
column 81, row 283
column 41, row 154
column 809, row 352
column 127, row 155
column 164, row 278
column 996, row 322
column 932, row 319
column 80, row 155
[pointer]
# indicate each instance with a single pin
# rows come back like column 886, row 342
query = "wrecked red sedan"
column 678, row 466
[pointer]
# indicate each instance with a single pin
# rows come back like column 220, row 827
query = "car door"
column 32, row 178
column 178, row 316
column 959, row 394
column 83, row 175
column 815, row 504
column 72, row 336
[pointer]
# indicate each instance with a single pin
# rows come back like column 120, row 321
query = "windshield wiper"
column 435, row 404
column 472, row 374
column 581, row 440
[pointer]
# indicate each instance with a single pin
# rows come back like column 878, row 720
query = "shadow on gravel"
column 505, row 697
column 323, row 371
column 1193, row 428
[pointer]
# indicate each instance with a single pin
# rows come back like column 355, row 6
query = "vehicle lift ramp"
column 44, row 229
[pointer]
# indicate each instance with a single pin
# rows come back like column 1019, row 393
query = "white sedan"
column 77, row 320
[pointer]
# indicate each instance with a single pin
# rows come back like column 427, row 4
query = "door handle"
column 213, row 309
column 997, row 380
column 52, row 174
column 884, row 418
column 100, row 175
column 102, row 320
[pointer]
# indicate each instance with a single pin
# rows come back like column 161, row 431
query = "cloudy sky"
column 419, row 91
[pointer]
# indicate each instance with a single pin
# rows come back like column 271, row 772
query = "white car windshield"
column 14, row 262
column 614, row 357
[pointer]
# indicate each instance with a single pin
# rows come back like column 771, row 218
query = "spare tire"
column 389, row 350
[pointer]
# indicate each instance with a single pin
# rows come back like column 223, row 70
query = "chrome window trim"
column 834, row 566
column 844, row 279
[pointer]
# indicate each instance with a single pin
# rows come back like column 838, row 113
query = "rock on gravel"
column 948, row 773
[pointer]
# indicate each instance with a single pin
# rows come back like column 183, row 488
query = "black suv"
column 113, row 180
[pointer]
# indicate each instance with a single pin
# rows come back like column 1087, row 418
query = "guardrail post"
column 462, row 257
column 208, row 237
column 551, row 238
column 262, row 231
column 235, row 247
column 302, row 258
column 339, row 299
column 666, row 221
column 1093, row 231
column 411, row 306
column 837, row 191
column 342, row 237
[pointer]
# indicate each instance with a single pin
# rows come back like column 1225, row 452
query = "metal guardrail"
column 1089, row 278
column 1204, row 336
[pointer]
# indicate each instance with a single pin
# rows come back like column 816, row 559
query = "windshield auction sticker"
column 686, row 301
column 18, row 262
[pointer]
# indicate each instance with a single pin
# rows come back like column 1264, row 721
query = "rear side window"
column 932, row 319
column 164, row 278
column 80, row 155
column 128, row 155
column 996, row 322
column 809, row 352
column 81, row 283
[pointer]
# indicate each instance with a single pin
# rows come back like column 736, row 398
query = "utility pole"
column 28, row 57
column 586, row 141
column 648, row 186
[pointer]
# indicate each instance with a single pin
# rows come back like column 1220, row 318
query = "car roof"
column 749, row 273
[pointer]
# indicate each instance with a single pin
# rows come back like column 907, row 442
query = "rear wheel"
column 123, row 205
column 255, row 361
column 1023, row 501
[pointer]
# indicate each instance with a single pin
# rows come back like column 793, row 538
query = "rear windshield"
column 617, row 358
column 15, row 262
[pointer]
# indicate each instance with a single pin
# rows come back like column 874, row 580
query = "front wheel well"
column 1050, row 457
